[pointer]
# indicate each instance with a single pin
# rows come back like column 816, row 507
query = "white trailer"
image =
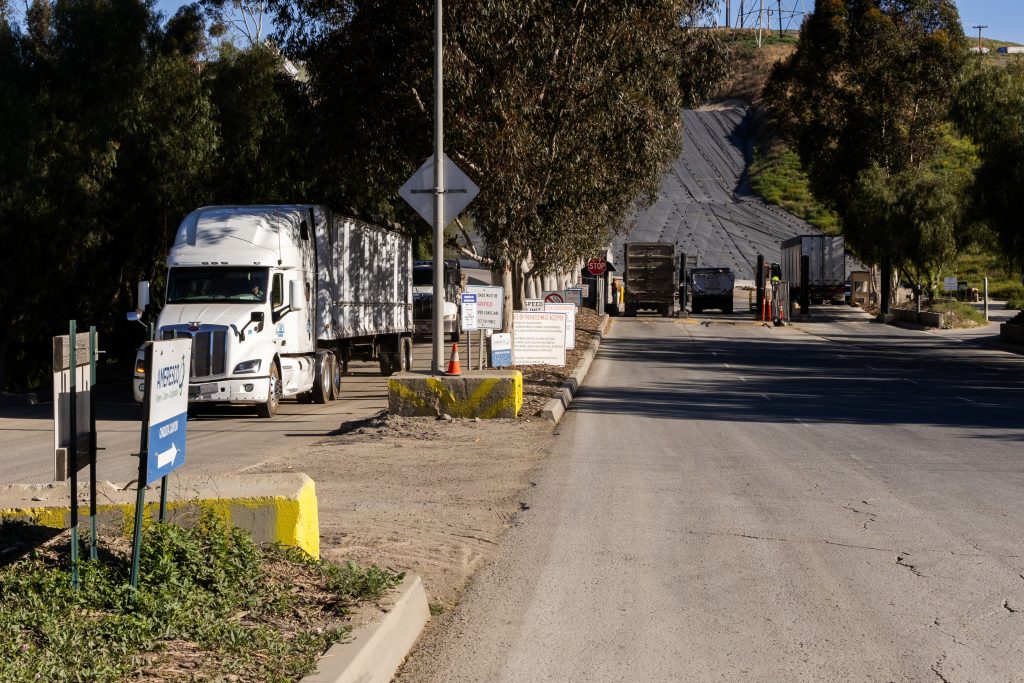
column 826, row 275
column 278, row 299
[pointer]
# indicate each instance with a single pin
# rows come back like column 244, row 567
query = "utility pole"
column 439, row 189
column 979, row 27
column 728, row 9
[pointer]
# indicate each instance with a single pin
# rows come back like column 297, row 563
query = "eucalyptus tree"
column 566, row 114
column 865, row 96
column 989, row 108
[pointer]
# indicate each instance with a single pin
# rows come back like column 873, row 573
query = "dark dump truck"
column 711, row 288
column 651, row 278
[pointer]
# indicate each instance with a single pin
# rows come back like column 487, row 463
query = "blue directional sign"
column 168, row 407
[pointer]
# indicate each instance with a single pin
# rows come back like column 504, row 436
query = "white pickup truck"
column 277, row 300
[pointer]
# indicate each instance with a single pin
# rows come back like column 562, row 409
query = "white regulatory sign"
column 570, row 321
column 459, row 191
column 469, row 312
column 538, row 338
column 949, row 284
column 534, row 305
column 490, row 303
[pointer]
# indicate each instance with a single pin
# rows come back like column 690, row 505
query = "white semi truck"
column 278, row 300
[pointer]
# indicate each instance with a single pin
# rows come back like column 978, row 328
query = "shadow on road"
column 861, row 379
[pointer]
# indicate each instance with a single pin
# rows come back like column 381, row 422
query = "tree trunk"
column 506, row 314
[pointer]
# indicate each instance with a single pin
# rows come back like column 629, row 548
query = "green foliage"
column 208, row 586
column 988, row 109
column 777, row 175
column 957, row 313
column 868, row 86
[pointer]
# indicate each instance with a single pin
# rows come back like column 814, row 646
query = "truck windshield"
column 185, row 285
column 422, row 277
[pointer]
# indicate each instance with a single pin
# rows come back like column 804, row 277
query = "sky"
column 1005, row 18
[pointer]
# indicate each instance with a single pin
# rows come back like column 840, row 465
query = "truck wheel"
column 335, row 378
column 322, row 383
column 385, row 364
column 407, row 353
column 727, row 309
column 694, row 308
column 269, row 409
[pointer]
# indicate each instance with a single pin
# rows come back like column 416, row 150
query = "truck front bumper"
column 230, row 390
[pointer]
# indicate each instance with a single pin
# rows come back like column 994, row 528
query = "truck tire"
column 335, row 378
column 269, row 408
column 407, row 353
column 663, row 309
column 385, row 364
column 727, row 308
column 322, row 377
column 694, row 308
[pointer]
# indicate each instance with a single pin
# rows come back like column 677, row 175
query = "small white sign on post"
column 469, row 311
column 949, row 284
column 534, row 305
column 538, row 338
column 570, row 321
column 585, row 287
column 490, row 303
column 501, row 350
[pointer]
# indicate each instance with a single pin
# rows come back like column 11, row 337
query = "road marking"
column 965, row 399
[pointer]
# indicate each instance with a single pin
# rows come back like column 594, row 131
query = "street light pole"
column 438, row 299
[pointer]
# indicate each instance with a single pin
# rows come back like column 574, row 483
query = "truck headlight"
column 247, row 367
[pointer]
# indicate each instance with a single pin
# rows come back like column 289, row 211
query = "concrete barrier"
column 273, row 508
column 485, row 394
column 1011, row 333
column 923, row 318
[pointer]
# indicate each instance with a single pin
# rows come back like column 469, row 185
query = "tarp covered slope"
column 705, row 205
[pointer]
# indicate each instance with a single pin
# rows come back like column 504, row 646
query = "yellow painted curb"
column 290, row 518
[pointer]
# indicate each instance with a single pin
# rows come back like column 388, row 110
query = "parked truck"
column 651, row 277
column 423, row 297
column 711, row 288
column 278, row 300
column 826, row 274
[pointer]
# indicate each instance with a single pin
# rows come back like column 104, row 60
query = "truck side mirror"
column 142, row 297
column 256, row 317
column 296, row 295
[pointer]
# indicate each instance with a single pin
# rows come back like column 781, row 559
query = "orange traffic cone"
column 454, row 368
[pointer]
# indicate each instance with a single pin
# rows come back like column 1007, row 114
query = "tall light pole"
column 438, row 357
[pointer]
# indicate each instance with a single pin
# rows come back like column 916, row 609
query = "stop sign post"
column 597, row 266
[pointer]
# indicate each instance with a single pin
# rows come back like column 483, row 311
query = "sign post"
column 74, row 424
column 162, row 448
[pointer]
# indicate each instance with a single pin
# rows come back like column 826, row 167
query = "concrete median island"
column 273, row 508
column 485, row 394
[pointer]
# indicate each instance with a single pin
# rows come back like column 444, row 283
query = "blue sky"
column 1005, row 18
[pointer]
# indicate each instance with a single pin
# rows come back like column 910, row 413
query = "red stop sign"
column 597, row 266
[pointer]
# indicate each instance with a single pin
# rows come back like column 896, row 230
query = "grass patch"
column 211, row 605
column 977, row 262
column 957, row 314
column 776, row 175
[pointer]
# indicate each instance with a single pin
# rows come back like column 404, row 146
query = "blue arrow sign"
column 166, row 447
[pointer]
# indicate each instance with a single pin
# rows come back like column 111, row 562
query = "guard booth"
column 860, row 283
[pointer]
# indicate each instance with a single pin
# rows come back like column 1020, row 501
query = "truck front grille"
column 423, row 309
column 208, row 351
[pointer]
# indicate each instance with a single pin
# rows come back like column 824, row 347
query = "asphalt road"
column 839, row 500
column 221, row 440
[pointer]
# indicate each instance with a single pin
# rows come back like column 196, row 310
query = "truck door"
column 293, row 321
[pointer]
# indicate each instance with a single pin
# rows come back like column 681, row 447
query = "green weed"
column 776, row 175
column 210, row 604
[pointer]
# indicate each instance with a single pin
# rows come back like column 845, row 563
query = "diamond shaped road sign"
column 459, row 190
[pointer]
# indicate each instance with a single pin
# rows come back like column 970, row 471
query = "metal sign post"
column 73, row 452
column 163, row 427
column 92, row 443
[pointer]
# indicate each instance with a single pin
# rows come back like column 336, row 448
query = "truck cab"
column 423, row 297
column 240, row 283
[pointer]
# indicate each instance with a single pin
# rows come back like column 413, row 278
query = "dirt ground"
column 431, row 496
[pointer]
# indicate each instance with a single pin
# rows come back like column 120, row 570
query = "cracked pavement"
column 735, row 502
